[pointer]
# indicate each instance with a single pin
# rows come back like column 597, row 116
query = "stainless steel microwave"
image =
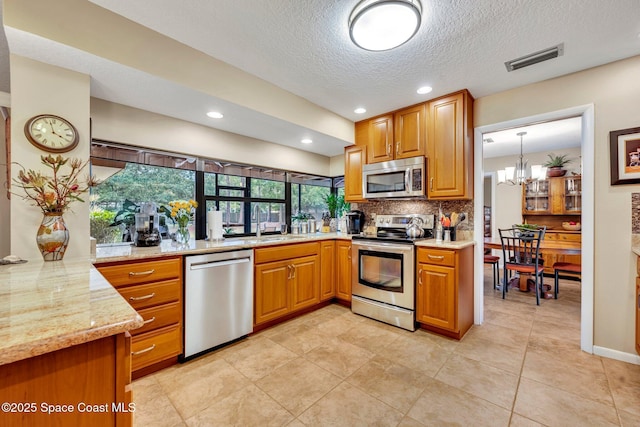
column 395, row 178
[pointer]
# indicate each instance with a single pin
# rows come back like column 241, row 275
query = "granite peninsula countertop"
column 458, row 244
column 47, row 306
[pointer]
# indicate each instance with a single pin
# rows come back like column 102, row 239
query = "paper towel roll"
column 214, row 225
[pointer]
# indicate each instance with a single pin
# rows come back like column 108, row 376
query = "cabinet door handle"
column 141, row 273
column 437, row 257
column 151, row 295
column 388, row 148
column 293, row 270
column 289, row 272
column 431, row 183
column 420, row 277
column 146, row 350
column 349, row 256
column 146, row 322
column 398, row 147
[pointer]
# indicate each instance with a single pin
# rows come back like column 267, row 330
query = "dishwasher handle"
column 212, row 264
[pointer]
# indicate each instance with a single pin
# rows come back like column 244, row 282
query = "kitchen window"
column 246, row 195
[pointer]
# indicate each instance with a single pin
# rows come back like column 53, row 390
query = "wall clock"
column 51, row 133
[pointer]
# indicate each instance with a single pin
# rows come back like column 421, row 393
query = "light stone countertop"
column 458, row 244
column 47, row 306
column 635, row 244
column 126, row 252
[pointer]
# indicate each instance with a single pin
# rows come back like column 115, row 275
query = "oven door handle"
column 382, row 246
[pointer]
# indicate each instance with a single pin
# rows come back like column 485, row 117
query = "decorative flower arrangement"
column 182, row 211
column 54, row 193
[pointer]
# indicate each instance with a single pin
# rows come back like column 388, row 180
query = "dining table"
column 552, row 247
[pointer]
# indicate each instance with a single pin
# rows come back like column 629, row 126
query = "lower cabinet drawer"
column 437, row 256
column 144, row 296
column 158, row 317
column 155, row 346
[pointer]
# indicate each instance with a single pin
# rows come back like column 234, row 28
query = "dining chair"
column 520, row 252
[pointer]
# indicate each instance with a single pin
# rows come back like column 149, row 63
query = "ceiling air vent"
column 534, row 58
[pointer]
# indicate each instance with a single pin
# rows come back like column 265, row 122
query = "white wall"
column 508, row 198
column 614, row 89
column 119, row 123
column 38, row 88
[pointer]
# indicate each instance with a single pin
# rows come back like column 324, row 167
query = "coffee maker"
column 355, row 222
column 147, row 226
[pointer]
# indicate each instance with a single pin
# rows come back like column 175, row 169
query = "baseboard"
column 616, row 355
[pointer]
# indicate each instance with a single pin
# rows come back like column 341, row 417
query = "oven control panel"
column 401, row 221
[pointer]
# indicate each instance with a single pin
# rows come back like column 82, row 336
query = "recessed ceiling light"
column 306, row 141
column 360, row 110
column 215, row 115
column 424, row 89
column 384, row 24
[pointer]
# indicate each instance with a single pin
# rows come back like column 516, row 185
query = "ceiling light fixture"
column 360, row 110
column 306, row 141
column 379, row 25
column 215, row 115
column 518, row 175
column 424, row 89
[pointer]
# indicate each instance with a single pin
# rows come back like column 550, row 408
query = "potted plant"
column 336, row 206
column 555, row 165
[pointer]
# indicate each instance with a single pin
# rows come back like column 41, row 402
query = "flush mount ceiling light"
column 215, row 115
column 360, row 110
column 306, row 141
column 424, row 89
column 384, row 24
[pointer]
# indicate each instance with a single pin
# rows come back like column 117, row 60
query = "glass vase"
column 52, row 237
column 182, row 234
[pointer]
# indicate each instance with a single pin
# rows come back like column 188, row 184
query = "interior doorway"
column 586, row 114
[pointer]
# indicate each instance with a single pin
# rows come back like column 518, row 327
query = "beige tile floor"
column 522, row 367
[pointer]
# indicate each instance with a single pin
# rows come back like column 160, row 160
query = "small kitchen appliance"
column 355, row 221
column 147, row 226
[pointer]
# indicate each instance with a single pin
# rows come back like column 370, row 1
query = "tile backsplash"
column 425, row 207
column 635, row 213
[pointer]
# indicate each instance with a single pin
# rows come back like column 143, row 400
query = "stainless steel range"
column 383, row 271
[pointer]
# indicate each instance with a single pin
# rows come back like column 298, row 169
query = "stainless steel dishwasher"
column 218, row 299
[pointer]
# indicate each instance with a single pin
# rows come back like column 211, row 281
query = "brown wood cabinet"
column 553, row 196
column 380, row 139
column 287, row 279
column 410, row 132
column 396, row 135
column 444, row 292
column 450, row 148
column 354, row 159
column 154, row 289
column 327, row 270
column 93, row 375
column 343, row 270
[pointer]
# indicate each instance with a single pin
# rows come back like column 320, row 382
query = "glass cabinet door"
column 573, row 195
column 536, row 196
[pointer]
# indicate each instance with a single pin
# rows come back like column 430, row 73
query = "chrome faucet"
column 257, row 221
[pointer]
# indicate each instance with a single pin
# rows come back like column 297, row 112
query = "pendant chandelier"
column 517, row 175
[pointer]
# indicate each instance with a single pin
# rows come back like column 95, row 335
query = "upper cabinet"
column 410, row 132
column 380, row 139
column 450, row 148
column 397, row 135
column 354, row 157
column 553, row 196
column 441, row 129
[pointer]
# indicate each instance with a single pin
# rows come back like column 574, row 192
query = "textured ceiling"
column 304, row 48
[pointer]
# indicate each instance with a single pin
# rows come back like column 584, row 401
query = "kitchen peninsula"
column 64, row 346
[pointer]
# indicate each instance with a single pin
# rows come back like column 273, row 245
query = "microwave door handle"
column 407, row 175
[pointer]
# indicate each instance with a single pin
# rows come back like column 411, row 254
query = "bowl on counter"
column 571, row 227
